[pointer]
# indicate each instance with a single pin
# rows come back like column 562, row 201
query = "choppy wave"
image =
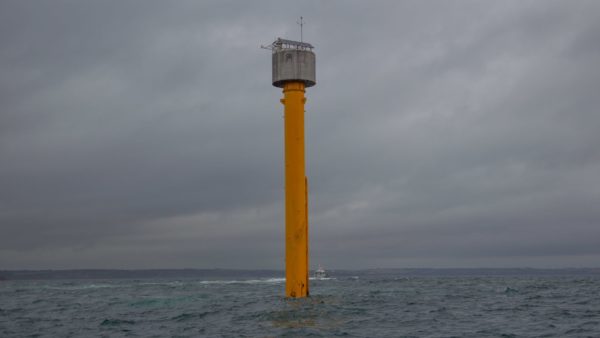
column 361, row 306
column 245, row 281
column 85, row 286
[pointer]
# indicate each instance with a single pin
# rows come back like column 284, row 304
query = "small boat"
column 320, row 273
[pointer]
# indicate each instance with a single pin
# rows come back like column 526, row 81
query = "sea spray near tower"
column 294, row 70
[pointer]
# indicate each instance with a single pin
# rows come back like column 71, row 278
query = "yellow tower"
column 294, row 70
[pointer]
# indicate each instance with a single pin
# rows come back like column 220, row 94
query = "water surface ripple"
column 380, row 306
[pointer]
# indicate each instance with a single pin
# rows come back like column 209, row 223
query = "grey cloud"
column 142, row 134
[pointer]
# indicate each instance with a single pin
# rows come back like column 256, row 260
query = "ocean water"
column 353, row 306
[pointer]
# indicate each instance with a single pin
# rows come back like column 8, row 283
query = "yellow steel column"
column 296, row 194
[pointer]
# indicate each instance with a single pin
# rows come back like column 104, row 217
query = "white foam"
column 246, row 281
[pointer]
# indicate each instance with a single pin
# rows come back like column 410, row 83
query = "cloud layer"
column 147, row 134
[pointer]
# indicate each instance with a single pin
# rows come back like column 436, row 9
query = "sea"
column 371, row 303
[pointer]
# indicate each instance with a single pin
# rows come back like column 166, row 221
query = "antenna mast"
column 301, row 23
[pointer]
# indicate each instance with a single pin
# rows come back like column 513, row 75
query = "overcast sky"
column 146, row 134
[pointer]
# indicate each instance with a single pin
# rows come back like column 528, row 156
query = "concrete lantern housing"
column 293, row 61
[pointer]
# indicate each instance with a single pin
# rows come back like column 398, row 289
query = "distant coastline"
column 239, row 273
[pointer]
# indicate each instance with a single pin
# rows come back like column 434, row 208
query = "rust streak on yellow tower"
column 296, row 194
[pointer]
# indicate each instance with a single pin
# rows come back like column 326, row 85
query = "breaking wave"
column 248, row 281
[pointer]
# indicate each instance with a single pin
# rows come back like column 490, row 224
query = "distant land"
column 245, row 274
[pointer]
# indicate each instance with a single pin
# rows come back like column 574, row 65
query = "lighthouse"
column 294, row 71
